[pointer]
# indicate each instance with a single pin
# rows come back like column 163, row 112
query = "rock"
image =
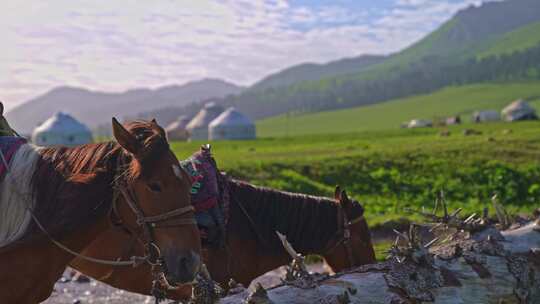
column 80, row 278
column 64, row 280
column 259, row 296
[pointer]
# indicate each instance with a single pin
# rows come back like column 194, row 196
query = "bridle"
column 148, row 224
column 343, row 235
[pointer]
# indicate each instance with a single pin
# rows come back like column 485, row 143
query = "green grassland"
column 389, row 115
column 393, row 170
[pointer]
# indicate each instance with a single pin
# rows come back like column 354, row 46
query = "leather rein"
column 344, row 235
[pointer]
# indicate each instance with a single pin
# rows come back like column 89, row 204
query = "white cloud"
column 116, row 45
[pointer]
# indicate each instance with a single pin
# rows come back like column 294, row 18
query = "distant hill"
column 449, row 101
column 96, row 108
column 313, row 71
column 284, row 78
column 464, row 50
column 472, row 30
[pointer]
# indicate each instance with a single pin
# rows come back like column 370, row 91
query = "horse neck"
column 73, row 186
column 308, row 222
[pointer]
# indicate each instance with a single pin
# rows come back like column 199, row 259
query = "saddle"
column 209, row 196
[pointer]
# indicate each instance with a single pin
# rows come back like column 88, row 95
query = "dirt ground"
column 68, row 291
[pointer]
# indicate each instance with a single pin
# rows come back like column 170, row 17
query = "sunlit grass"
column 389, row 171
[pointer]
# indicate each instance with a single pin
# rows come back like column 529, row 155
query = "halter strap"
column 170, row 214
column 142, row 219
column 344, row 235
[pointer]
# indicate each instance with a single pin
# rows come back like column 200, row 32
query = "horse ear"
column 154, row 121
column 337, row 193
column 124, row 138
column 344, row 199
column 344, row 196
column 1, row 109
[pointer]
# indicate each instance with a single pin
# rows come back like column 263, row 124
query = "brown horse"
column 55, row 200
column 333, row 228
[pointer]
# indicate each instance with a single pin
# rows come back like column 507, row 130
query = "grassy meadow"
column 393, row 170
column 463, row 100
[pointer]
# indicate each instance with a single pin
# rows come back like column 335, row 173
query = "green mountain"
column 464, row 50
column 313, row 71
column 472, row 30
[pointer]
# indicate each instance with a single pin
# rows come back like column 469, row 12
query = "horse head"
column 153, row 200
column 352, row 245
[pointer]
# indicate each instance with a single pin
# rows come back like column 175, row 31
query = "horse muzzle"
column 182, row 268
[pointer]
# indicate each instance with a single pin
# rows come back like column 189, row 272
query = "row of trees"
column 426, row 75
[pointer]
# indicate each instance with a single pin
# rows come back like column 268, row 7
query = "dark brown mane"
column 73, row 187
column 309, row 222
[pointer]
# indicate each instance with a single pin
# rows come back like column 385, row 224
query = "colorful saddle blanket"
column 209, row 195
column 8, row 146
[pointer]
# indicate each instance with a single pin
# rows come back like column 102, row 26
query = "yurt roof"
column 180, row 123
column 62, row 123
column 205, row 116
column 518, row 105
column 231, row 117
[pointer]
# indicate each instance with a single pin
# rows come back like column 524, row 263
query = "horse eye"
column 155, row 187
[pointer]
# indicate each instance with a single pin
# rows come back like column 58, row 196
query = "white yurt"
column 519, row 110
column 198, row 126
column 486, row 116
column 419, row 123
column 177, row 129
column 231, row 125
column 61, row 130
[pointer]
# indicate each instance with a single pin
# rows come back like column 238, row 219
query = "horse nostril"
column 184, row 264
column 184, row 267
column 189, row 263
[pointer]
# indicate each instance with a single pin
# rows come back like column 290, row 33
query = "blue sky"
column 122, row 44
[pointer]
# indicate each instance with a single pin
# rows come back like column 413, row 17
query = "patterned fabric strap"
column 204, row 190
column 209, row 196
column 8, row 146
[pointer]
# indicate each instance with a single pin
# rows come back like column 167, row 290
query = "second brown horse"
column 334, row 228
